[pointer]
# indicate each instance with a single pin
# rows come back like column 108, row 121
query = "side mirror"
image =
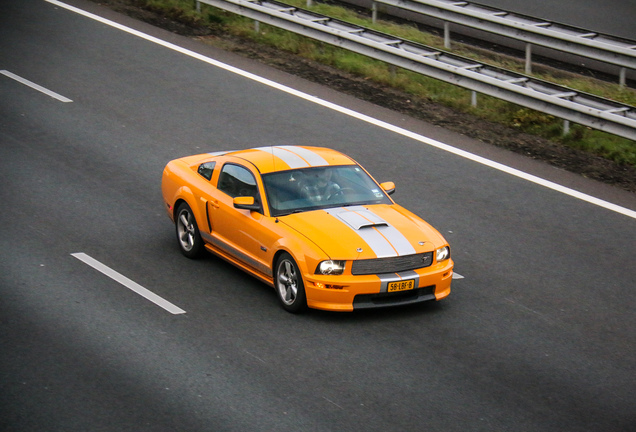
column 389, row 187
column 246, row 203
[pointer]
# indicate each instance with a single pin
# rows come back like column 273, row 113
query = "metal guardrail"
column 562, row 102
column 531, row 30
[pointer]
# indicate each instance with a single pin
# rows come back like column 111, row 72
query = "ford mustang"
column 310, row 222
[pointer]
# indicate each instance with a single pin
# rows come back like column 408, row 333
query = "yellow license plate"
column 401, row 285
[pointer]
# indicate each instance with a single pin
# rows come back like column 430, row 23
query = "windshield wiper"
column 291, row 212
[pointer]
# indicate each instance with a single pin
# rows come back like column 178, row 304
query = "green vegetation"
column 609, row 146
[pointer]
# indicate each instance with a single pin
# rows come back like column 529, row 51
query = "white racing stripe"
column 291, row 159
column 377, row 242
column 312, row 158
column 220, row 153
column 398, row 241
column 396, row 129
column 295, row 157
column 384, row 239
column 149, row 295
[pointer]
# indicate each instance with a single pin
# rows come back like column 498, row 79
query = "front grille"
column 391, row 265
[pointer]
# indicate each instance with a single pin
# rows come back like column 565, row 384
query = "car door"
column 244, row 234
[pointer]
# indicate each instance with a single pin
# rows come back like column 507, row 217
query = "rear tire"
column 289, row 285
column 188, row 236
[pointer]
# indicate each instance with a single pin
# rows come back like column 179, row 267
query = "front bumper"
column 348, row 292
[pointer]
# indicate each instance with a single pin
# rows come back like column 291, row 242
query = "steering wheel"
column 339, row 192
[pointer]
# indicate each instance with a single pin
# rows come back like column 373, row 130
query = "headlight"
column 330, row 267
column 442, row 253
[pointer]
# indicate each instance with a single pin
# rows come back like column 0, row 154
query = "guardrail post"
column 473, row 98
column 257, row 26
column 309, row 3
column 622, row 81
column 447, row 41
column 198, row 7
column 528, row 58
column 566, row 127
column 374, row 12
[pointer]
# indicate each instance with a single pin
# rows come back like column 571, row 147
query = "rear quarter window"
column 206, row 169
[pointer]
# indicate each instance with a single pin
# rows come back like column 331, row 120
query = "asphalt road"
column 539, row 336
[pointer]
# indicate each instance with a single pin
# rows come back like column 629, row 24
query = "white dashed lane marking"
column 132, row 285
column 35, row 86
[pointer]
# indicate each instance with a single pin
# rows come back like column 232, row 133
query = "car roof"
column 283, row 157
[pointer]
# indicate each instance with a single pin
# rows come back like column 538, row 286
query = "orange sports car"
column 311, row 223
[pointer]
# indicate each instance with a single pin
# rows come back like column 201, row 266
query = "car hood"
column 365, row 232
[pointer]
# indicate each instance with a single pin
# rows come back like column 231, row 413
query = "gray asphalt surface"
column 539, row 336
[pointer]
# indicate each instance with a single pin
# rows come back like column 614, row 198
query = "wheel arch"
column 304, row 252
column 184, row 195
column 176, row 206
column 277, row 255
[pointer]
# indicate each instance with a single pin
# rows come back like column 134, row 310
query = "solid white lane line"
column 396, row 129
column 159, row 301
column 35, row 86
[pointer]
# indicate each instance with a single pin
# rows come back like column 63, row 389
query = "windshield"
column 323, row 187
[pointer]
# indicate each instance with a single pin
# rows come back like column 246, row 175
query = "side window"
column 236, row 180
column 206, row 169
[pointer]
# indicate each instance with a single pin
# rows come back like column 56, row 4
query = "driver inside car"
column 319, row 186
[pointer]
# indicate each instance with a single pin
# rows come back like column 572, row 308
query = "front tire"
column 289, row 285
column 188, row 236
